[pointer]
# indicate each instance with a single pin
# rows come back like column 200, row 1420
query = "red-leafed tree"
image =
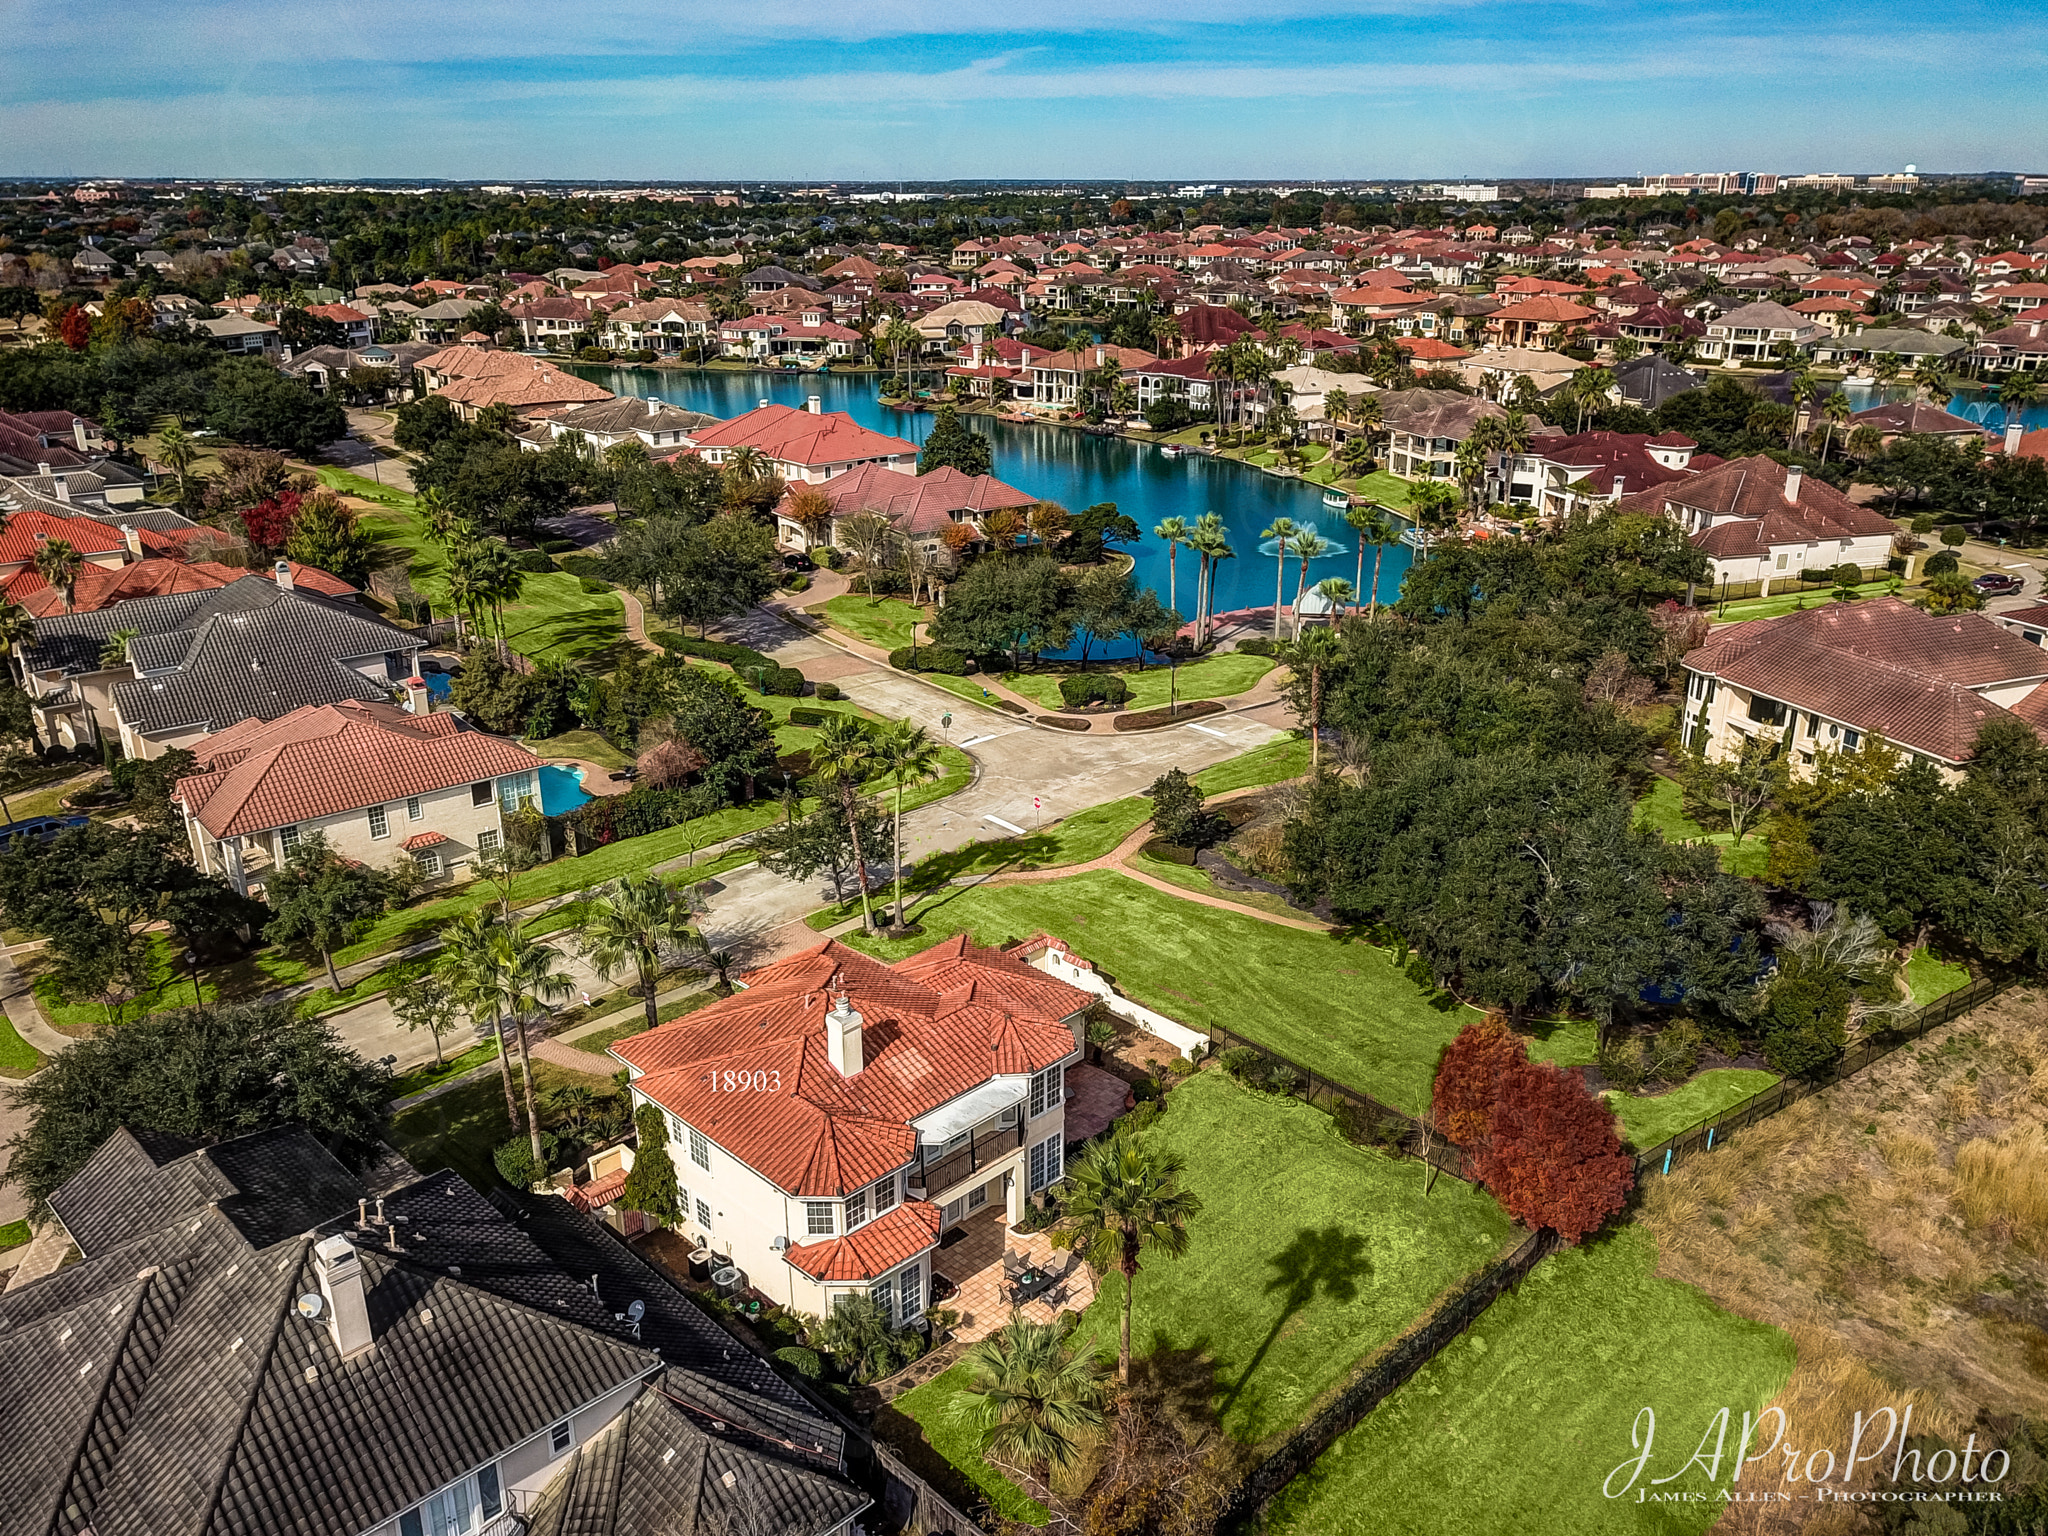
column 74, row 328
column 1468, row 1076
column 269, row 523
column 1551, row 1154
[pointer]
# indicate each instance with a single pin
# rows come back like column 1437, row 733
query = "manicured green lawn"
column 460, row 1128
column 1645, row 1122
column 1190, row 877
column 420, row 1079
column 15, row 1233
column 1515, row 1425
column 1787, row 602
column 1928, row 978
column 1664, row 808
column 17, row 1057
column 967, row 688
column 1281, row 1298
column 1214, row 678
column 1336, row 1006
column 1387, row 489
column 883, row 621
column 588, row 745
column 937, row 1407
column 1274, row 763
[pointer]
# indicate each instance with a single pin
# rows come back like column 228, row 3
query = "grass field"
column 1273, row 1303
column 1789, row 602
column 1515, row 1425
column 1191, row 877
column 1647, row 1121
column 459, row 1129
column 1214, row 678
column 938, row 1409
column 883, row 621
column 587, row 745
column 420, row 1079
column 1337, row 1006
column 1928, row 978
column 17, row 1057
column 14, row 1234
column 1664, row 808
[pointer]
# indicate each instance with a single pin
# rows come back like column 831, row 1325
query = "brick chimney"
column 282, row 574
column 1792, row 479
column 341, row 1287
column 842, row 1038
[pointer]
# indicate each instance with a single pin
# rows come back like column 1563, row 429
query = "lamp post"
column 192, row 960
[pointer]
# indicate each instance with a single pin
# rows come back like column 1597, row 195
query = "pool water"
column 439, row 686
column 561, row 789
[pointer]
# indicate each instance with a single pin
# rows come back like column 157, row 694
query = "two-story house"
column 920, row 507
column 811, row 445
column 1754, row 332
column 835, row 1116
column 254, row 1340
column 378, row 782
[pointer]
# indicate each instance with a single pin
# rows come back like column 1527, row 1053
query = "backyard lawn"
column 883, row 621
column 1664, row 808
column 1787, row 602
column 459, row 1129
column 1647, row 1121
column 1280, row 1299
column 938, row 1409
column 1515, row 1425
column 1928, row 978
column 1337, row 1006
column 1214, row 678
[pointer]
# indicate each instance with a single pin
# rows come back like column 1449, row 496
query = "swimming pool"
column 561, row 788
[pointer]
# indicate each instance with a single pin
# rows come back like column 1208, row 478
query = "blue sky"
column 926, row 89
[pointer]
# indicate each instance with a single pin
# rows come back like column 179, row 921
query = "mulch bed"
column 1062, row 722
column 1147, row 719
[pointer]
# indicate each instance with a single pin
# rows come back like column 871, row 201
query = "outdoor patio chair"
column 1014, row 1264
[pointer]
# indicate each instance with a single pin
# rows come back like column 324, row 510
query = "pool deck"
column 596, row 780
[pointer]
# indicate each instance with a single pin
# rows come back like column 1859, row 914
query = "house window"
column 1048, row 1088
column 287, row 840
column 1766, row 711
column 704, row 1214
column 883, row 1294
column 480, row 794
column 515, row 793
column 486, row 842
column 700, row 1149
column 885, row 1194
column 380, row 824
column 429, row 862
column 977, row 1197
column 1046, row 1163
column 413, row 811
column 818, row 1218
column 560, row 1438
column 856, row 1209
column 1851, row 740
column 910, row 1291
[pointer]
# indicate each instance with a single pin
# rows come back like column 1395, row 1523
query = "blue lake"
column 1075, row 470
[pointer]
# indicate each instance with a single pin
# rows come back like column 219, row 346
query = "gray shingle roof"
column 248, row 650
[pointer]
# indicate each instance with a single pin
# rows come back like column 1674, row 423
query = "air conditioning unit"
column 780, row 1245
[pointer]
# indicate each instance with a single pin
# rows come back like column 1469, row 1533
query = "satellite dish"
column 310, row 1304
column 635, row 1311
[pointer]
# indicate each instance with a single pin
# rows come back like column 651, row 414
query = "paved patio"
column 1094, row 1099
column 975, row 1264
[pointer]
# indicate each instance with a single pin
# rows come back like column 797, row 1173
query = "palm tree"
column 469, row 969
column 843, row 759
column 1280, row 532
column 1208, row 541
column 904, row 751
column 58, row 563
column 1885, row 370
column 631, row 921
column 17, row 629
column 2016, row 392
column 1374, row 527
column 1123, row 1200
column 1471, row 468
column 1306, row 545
column 1928, row 377
column 114, row 649
column 178, row 451
column 527, row 973
column 869, row 538
column 1834, row 415
column 1175, row 531
column 1314, row 653
column 1031, row 1397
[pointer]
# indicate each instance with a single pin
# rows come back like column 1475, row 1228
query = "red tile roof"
column 869, row 1252
column 1755, row 488
column 329, row 758
column 934, row 1026
column 422, row 840
column 102, row 587
column 917, row 504
column 797, row 437
column 598, row 1193
column 1880, row 665
column 18, row 542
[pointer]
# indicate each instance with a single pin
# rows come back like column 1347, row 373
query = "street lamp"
column 192, row 960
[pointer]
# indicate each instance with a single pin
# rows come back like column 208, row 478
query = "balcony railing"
column 985, row 1145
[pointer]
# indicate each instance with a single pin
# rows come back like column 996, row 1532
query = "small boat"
column 1337, row 499
column 1172, row 450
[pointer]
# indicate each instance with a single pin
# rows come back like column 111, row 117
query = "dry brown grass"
column 1897, row 1226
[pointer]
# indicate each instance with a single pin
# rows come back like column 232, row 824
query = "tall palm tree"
column 178, row 451
column 17, row 629
column 2016, row 391
column 528, row 975
column 1374, row 527
column 1306, row 545
column 631, row 921
column 59, row 563
column 1030, row 1396
column 1280, row 531
column 1124, row 1200
column 1885, row 370
column 1314, row 654
column 1175, row 531
column 1929, row 378
column 1208, row 541
column 1834, row 415
column 468, row 967
column 843, row 759
column 904, row 752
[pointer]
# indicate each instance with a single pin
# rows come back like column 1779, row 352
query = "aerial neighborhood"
column 569, row 971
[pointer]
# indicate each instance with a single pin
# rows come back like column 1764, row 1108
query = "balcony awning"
column 969, row 1110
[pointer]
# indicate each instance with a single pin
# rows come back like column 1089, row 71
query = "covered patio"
column 972, row 1258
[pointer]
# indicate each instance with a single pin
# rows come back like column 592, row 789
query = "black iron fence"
column 1388, row 1368
column 1703, row 1137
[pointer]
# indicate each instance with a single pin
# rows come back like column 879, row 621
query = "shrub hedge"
column 1256, row 647
column 557, row 546
column 930, row 658
column 641, row 810
column 739, row 657
column 828, row 693
column 536, row 561
column 1079, row 688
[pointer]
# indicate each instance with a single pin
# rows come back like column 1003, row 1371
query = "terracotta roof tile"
column 869, row 1252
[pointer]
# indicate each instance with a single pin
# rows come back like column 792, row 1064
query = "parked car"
column 36, row 829
column 1999, row 584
